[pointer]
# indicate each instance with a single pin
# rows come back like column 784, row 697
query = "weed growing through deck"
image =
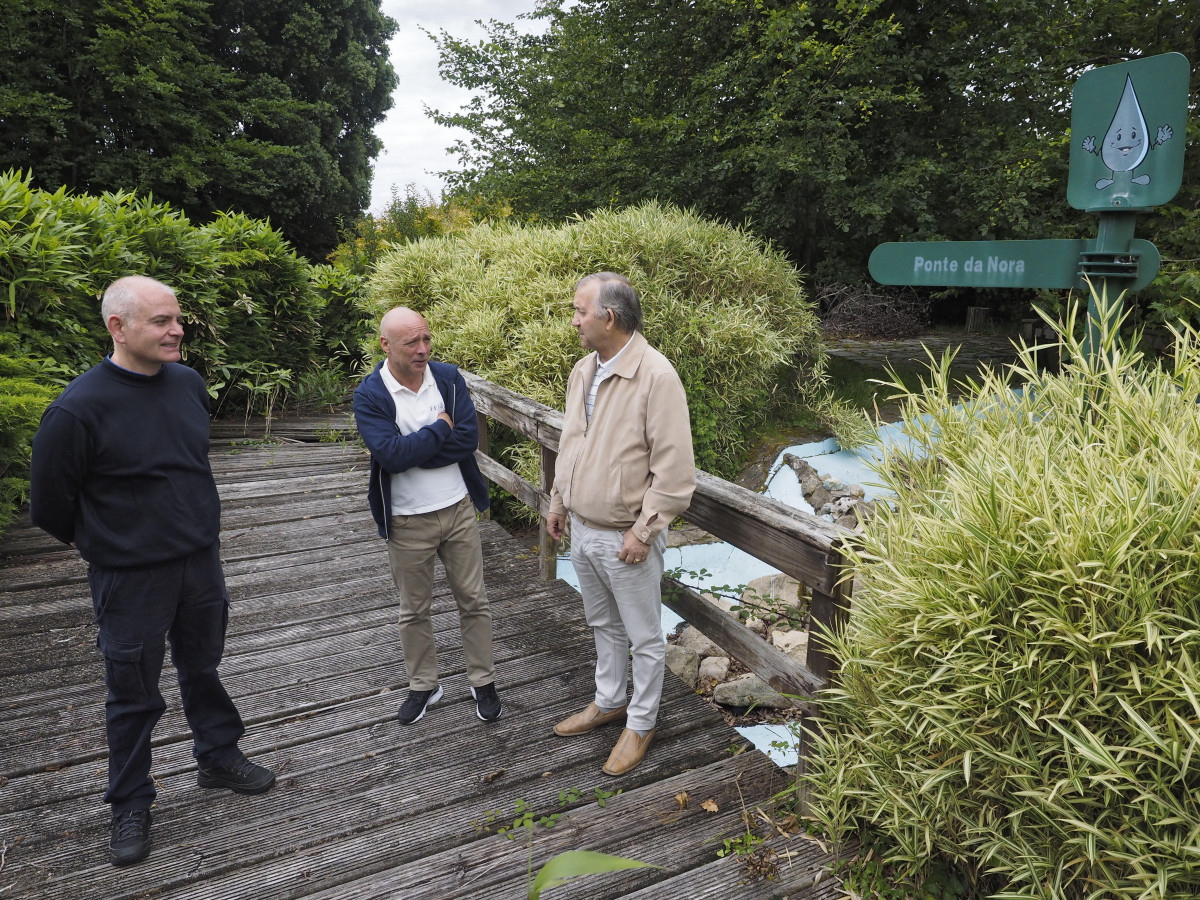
column 561, row 867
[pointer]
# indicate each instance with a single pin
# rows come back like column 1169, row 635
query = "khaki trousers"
column 452, row 535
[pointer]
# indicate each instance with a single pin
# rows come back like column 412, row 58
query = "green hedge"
column 1019, row 691
column 726, row 309
column 26, row 387
column 260, row 321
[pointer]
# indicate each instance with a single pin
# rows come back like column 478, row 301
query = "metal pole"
column 1115, row 236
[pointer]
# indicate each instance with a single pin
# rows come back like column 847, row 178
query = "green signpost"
column 1127, row 138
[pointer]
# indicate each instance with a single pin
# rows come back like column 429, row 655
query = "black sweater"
column 120, row 467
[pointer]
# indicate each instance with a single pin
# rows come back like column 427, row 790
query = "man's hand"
column 555, row 523
column 633, row 551
column 445, row 418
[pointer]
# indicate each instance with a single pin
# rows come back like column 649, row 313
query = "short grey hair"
column 122, row 296
column 616, row 294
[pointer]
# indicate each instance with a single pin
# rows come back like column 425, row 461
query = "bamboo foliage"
column 726, row 309
column 1019, row 690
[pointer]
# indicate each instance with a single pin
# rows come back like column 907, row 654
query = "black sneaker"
column 130, row 840
column 487, row 702
column 416, row 703
column 239, row 775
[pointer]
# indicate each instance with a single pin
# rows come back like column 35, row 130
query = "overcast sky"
column 413, row 145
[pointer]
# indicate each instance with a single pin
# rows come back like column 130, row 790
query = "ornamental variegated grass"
column 1018, row 687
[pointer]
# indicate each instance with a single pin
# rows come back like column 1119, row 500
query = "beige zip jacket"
column 632, row 465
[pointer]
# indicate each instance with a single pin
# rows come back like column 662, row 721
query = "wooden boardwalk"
column 364, row 808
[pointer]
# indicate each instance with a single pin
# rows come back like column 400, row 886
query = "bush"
column 1020, row 691
column 247, row 298
column 24, row 393
column 261, row 323
column 408, row 218
column 727, row 310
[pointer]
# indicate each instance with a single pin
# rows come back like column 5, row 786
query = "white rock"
column 715, row 668
column 779, row 587
column 749, row 690
column 793, row 643
column 694, row 639
column 684, row 663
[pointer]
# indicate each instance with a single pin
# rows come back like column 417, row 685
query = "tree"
column 264, row 108
column 827, row 126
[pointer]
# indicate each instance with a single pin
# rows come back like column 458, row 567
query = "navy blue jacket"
column 432, row 447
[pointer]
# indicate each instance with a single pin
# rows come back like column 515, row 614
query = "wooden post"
column 827, row 612
column 800, row 729
column 547, row 546
column 481, row 419
column 977, row 318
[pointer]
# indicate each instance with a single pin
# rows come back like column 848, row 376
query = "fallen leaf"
column 682, row 799
column 492, row 776
column 710, row 806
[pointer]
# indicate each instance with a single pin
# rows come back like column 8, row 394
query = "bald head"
column 405, row 339
column 400, row 317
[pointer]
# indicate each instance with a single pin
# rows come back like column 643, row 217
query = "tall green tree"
column 827, row 125
column 265, row 108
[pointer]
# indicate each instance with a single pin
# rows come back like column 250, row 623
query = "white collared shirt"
column 603, row 371
column 421, row 490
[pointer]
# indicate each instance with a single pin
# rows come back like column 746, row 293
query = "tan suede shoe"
column 630, row 750
column 588, row 720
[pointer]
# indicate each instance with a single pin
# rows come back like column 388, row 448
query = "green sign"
column 1012, row 264
column 1128, row 130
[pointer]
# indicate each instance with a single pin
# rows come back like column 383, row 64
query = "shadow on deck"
column 364, row 808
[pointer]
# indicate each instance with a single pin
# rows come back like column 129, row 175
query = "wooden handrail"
column 796, row 543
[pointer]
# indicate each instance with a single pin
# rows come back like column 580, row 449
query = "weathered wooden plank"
column 769, row 663
column 796, row 543
column 645, row 823
column 314, row 663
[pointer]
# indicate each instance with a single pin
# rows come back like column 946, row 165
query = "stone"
column 783, row 589
column 684, row 663
column 805, row 473
column 722, row 603
column 793, row 643
column 750, row 690
column 842, row 506
column 714, row 668
column 695, row 640
column 819, row 497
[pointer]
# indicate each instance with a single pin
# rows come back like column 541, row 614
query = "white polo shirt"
column 421, row 490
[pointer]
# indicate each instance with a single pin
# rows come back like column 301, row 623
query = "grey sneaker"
column 130, row 839
column 415, row 704
column 487, row 702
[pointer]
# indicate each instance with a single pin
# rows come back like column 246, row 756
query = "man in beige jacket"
column 625, row 469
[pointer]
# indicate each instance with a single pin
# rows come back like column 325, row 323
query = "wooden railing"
column 796, row 543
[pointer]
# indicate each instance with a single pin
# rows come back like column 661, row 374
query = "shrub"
column 408, row 218
column 726, row 309
column 24, row 393
column 1019, row 690
column 261, row 323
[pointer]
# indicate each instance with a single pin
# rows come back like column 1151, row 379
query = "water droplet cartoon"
column 1126, row 142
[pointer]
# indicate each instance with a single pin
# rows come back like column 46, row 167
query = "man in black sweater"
column 120, row 471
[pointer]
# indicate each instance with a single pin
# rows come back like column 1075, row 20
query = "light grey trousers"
column 622, row 602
